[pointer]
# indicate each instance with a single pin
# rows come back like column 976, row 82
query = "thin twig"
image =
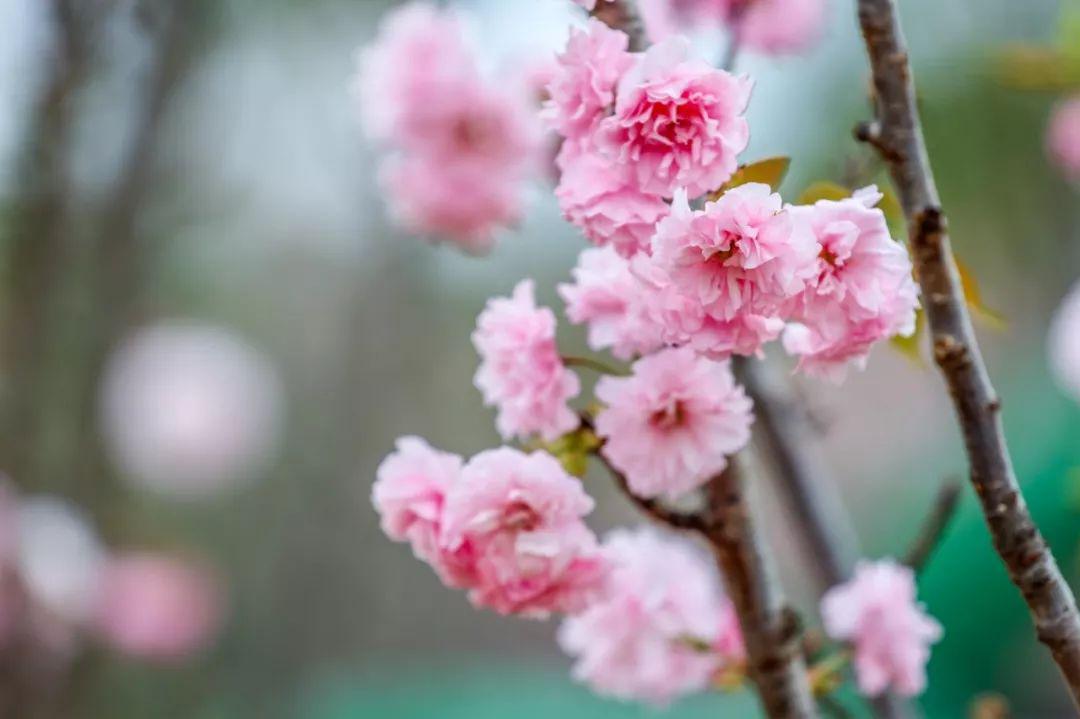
column 897, row 134
column 933, row 529
column 623, row 15
column 771, row 630
column 593, row 364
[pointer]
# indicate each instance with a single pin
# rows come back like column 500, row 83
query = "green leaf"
column 1030, row 67
column 973, row 295
column 823, row 190
column 770, row 171
column 573, row 450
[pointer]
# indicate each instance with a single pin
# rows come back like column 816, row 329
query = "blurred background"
column 213, row 332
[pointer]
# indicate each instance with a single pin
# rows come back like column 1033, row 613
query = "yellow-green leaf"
column 973, row 295
column 1030, row 67
column 770, row 171
column 823, row 190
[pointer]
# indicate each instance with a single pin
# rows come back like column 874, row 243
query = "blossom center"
column 519, row 516
column 668, row 417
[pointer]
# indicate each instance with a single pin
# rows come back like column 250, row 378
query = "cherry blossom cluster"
column 1063, row 138
column 461, row 146
column 647, row 137
column 60, row 587
column 690, row 266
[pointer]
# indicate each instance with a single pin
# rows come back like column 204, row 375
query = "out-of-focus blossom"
column 589, row 5
column 1063, row 138
column 519, row 516
column 583, row 87
column 1063, row 343
column 678, row 122
column 597, row 197
column 465, row 204
column 521, row 372
column 642, row 640
column 158, row 607
column 463, row 145
column 190, row 409
column 672, row 424
column 60, row 559
column 772, row 27
column 878, row 613
column 608, row 297
column 418, row 61
column 864, row 291
column 410, row 493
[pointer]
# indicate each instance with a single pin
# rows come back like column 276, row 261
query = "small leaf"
column 823, row 190
column 770, row 171
column 1029, row 67
column 973, row 295
column 573, row 450
column 911, row 346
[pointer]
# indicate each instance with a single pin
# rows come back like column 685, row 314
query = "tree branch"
column 623, row 15
column 897, row 134
column 770, row 629
column 933, row 529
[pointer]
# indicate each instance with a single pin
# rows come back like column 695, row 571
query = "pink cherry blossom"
column 742, row 253
column 409, row 494
column 418, row 61
column 521, row 372
column 683, row 320
column 777, row 26
column 864, row 291
column 519, row 516
column 598, row 198
column 1063, row 138
column 672, row 424
column 465, row 204
column 878, row 613
column 608, row 297
column 158, row 607
column 636, row 641
column 678, row 122
column 583, row 87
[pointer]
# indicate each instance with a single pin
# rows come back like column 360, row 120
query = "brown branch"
column 623, row 15
column 933, row 529
column 897, row 134
column 771, row 630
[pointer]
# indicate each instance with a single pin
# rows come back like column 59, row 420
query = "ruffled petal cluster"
column 877, row 612
column 863, row 293
column 608, row 298
column 642, row 639
column 673, row 423
column 507, row 526
column 521, row 372
column 462, row 145
column 770, row 27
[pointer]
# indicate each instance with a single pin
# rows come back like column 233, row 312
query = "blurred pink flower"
column 864, row 291
column 520, row 517
column 589, row 5
column 1063, row 138
column 637, row 641
column 190, row 409
column 410, row 494
column 678, row 122
column 671, row 425
column 418, row 61
column 583, row 87
column 740, row 254
column 158, row 607
column 877, row 612
column 463, row 203
column 598, row 198
column 777, row 26
column 521, row 372
column 606, row 296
